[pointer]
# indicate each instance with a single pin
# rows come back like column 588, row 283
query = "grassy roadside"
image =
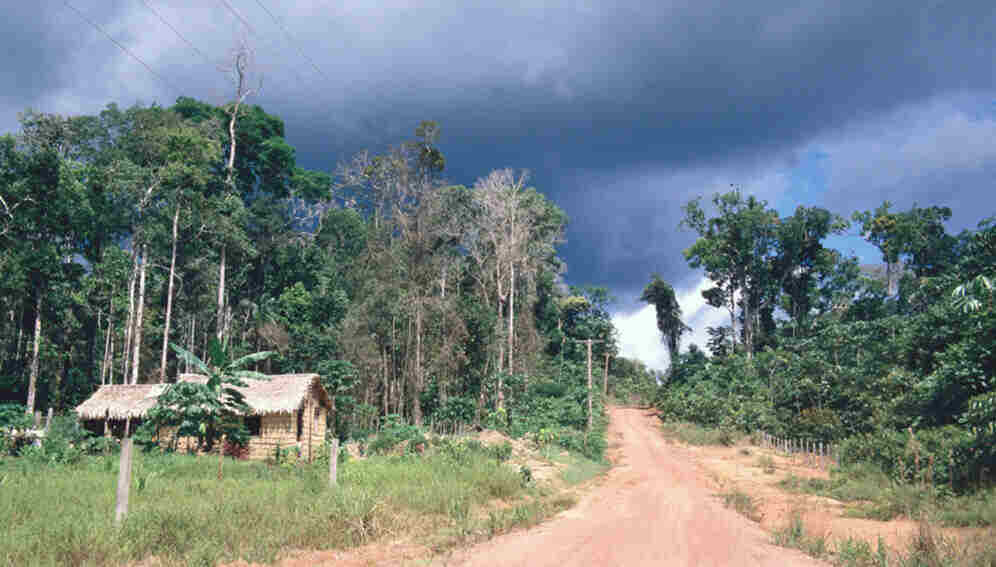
column 872, row 495
column 694, row 434
column 926, row 548
column 60, row 514
column 876, row 497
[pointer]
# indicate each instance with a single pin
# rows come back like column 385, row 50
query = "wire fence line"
column 808, row 452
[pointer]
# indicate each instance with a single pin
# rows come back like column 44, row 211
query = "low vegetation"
column 926, row 548
column 876, row 496
column 695, row 434
column 743, row 503
column 58, row 512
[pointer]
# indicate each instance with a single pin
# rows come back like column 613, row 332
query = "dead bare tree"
column 504, row 227
column 241, row 70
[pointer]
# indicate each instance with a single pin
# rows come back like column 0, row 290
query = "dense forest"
column 440, row 304
column 131, row 229
column 894, row 361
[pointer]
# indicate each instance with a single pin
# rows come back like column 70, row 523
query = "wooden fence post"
column 124, row 475
column 334, row 462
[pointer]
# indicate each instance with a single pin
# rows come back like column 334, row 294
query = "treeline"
column 895, row 360
column 127, row 230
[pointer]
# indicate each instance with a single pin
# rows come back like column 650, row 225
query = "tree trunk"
column 419, row 379
column 20, row 336
column 169, row 298
column 110, row 361
column 386, row 391
column 589, row 384
column 748, row 327
column 140, row 309
column 511, row 317
column 107, row 350
column 221, row 291
column 193, row 341
column 130, row 325
column 33, row 375
column 605, row 377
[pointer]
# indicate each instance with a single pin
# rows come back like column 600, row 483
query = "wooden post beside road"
column 334, row 462
column 124, row 475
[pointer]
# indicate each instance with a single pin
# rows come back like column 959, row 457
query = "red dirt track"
column 654, row 508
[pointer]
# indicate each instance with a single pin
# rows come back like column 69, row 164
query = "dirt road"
column 653, row 509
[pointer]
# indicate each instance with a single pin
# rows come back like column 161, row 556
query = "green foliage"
column 209, row 410
column 393, row 432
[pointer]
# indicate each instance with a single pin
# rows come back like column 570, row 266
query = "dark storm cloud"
column 623, row 111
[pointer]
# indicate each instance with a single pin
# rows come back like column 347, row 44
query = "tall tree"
column 661, row 295
column 735, row 247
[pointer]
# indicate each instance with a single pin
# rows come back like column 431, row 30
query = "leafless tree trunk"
column 20, row 335
column 386, row 391
column 130, row 325
column 240, row 70
column 107, row 350
column 511, row 317
column 419, row 378
column 193, row 339
column 169, row 296
column 589, row 384
column 110, row 361
column 33, row 375
column 137, row 341
column 221, row 295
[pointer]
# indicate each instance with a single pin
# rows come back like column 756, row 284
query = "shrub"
column 395, row 432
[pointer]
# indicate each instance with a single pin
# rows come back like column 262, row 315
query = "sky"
column 622, row 111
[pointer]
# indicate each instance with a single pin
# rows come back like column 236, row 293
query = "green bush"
column 938, row 456
column 394, row 432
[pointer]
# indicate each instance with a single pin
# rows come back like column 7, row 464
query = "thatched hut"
column 286, row 411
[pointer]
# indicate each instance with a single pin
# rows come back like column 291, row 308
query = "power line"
column 175, row 31
column 253, row 31
column 120, row 46
column 291, row 38
column 241, row 19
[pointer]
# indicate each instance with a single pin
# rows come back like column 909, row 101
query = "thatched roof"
column 281, row 393
column 120, row 401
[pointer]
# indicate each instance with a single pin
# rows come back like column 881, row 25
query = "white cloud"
column 640, row 339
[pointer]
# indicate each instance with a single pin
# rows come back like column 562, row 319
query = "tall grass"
column 62, row 514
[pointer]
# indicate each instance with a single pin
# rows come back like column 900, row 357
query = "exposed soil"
column 655, row 507
column 728, row 468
